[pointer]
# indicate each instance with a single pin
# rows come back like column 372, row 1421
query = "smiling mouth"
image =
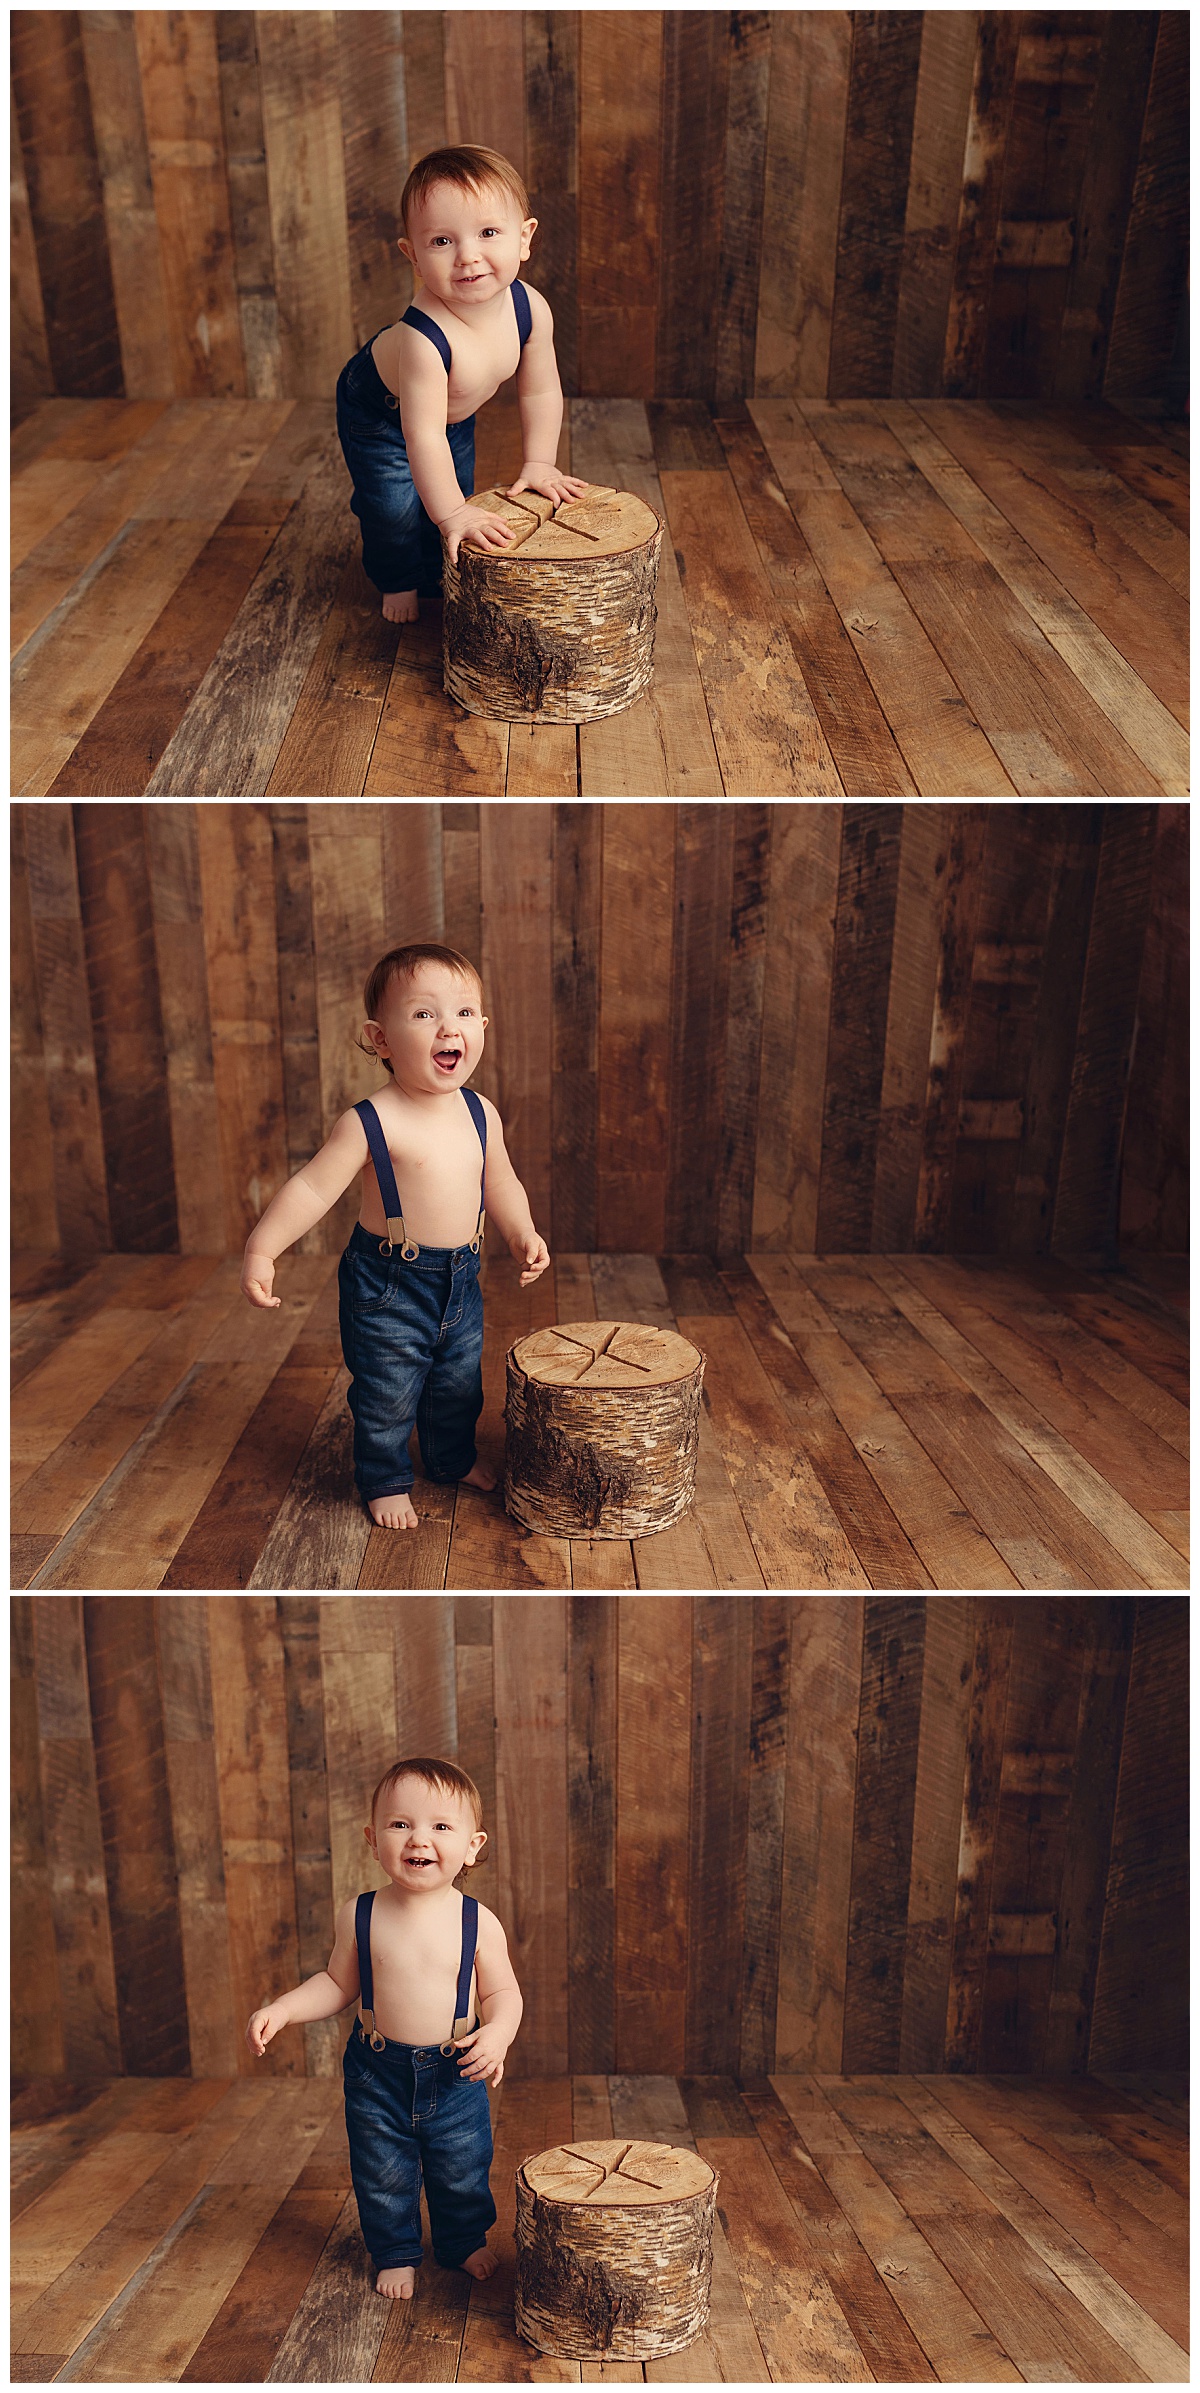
column 447, row 1059
column 418, row 1864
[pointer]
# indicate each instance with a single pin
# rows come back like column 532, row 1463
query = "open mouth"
column 418, row 1864
column 447, row 1059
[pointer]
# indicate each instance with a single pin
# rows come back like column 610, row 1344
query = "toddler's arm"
column 500, row 2003
column 507, row 1204
column 300, row 1204
column 540, row 400
column 423, row 386
column 319, row 1997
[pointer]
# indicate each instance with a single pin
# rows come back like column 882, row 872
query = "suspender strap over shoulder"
column 470, row 1936
column 377, row 1143
column 366, row 1980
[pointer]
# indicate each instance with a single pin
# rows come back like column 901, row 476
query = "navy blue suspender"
column 420, row 322
column 366, row 1979
column 397, row 1234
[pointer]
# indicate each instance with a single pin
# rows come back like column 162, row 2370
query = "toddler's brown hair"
column 470, row 168
column 403, row 962
column 444, row 1777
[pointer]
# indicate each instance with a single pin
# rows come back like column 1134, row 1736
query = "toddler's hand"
column 258, row 1279
column 549, row 482
column 262, row 2026
column 480, row 526
column 533, row 1253
column 483, row 2054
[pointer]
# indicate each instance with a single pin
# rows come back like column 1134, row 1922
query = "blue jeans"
column 402, row 548
column 412, row 1337
column 410, row 2114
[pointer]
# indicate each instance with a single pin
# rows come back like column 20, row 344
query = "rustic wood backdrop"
column 728, row 1833
column 714, row 1027
column 959, row 202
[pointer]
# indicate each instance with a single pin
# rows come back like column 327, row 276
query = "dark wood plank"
column 118, row 935
column 1153, row 1169
column 306, row 1727
column 299, row 1031
column 181, row 89
column 591, row 1830
column 66, row 208
column 1140, row 2006
column 620, row 82
column 704, row 843
column 1001, row 1019
column 529, row 1660
column 1152, row 261
column 996, row 44
column 889, row 1726
column 370, row 82
column 962, row 891
column 867, row 886
column 249, row 201
column 552, row 167
column 135, row 1816
column 1114, row 128
column 1056, row 73
column 575, row 1026
column 632, row 1147
column 695, row 89
column 743, row 1030
column 250, row 1740
column 1086, row 1211
column 825, row 1689
column 765, row 1829
column 122, row 150
column 237, row 875
column 924, row 859
column 1072, row 889
column 884, row 60
column 937, row 1831
column 185, row 1679
column 1029, row 1854
column 36, row 2031
column 653, row 1748
column 81, row 1189
column 33, row 1216
column 935, row 196
column 722, row 1660
column 745, row 132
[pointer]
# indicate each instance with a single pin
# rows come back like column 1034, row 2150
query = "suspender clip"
column 477, row 1241
column 375, row 2040
column 398, row 1236
column 462, row 2027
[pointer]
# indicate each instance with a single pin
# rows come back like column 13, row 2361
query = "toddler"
column 417, row 1955
column 406, row 402
column 411, row 1312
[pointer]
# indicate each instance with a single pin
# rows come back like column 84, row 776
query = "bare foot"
column 480, row 1476
column 392, row 1512
column 480, row 2263
column 399, row 2283
column 400, row 606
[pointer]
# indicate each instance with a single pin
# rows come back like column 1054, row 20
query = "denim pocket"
column 373, row 1283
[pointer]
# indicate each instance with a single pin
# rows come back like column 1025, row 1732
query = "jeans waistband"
column 431, row 1258
column 412, row 2056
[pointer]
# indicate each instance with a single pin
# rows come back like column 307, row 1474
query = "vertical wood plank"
column 718, row 1811
column 1153, row 262
column 939, row 1131
column 881, row 99
column 237, row 879
column 130, row 222
column 79, row 1177
column 695, row 89
column 348, row 935
column 303, row 136
column 131, row 1074
column 517, row 870
column 825, row 1678
column 1107, row 1649
column 485, row 80
column 946, row 1672
column 37, row 2025
column 181, row 99
column 552, row 173
column 370, row 51
column 173, row 863
column 475, row 1706
column 704, row 847
column 185, row 1680
column 1086, row 1210
column 620, row 85
column 33, row 1207
column 135, row 1819
column 62, row 180
column 426, row 1694
column 575, row 1026
column 801, row 915
column 299, row 1036
column 1127, row 38
column 944, row 78
column 530, row 1659
column 1071, row 869
column 979, row 203
column 745, row 134
column 91, row 2036
column 1045, row 1675
column 632, row 1144
column 425, row 81
column 867, row 885
column 764, row 1831
column 889, row 1730
column 743, row 1029
column 924, row 859
column 300, row 1630
column 32, row 373
column 359, row 1688
column 1000, row 1026
column 652, row 1923
column 413, row 894
column 1154, row 1169
column 1140, row 2015
column 806, row 138
column 462, row 897
column 250, row 1741
column 1056, row 72
column 591, row 1831
column 249, row 201
column 992, row 1626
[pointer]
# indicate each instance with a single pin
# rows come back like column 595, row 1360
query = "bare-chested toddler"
column 438, row 2007
column 411, row 1309
column 406, row 402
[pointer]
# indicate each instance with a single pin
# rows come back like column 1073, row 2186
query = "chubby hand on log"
column 481, row 526
column 548, row 481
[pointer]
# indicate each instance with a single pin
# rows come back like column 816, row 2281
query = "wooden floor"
column 879, row 597
column 868, row 1421
column 904, row 2230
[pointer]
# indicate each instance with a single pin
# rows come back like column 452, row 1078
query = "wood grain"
column 653, row 1745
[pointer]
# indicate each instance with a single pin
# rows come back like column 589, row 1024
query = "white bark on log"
column 559, row 626
column 614, row 2250
column 603, row 1422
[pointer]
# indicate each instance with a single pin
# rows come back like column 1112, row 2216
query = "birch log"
column 559, row 626
column 603, row 1423
column 614, row 2249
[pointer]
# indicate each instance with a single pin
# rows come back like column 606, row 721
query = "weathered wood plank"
column 592, row 1628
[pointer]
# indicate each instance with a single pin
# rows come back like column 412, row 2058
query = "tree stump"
column 603, row 1423
column 558, row 627
column 614, row 2249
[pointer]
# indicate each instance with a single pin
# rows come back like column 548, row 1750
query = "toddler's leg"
column 387, row 506
column 388, row 1360
column 385, row 2164
column 452, row 1398
column 456, row 2151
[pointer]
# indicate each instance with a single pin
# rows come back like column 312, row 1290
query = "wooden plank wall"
column 943, row 202
column 714, row 1027
column 862, row 1833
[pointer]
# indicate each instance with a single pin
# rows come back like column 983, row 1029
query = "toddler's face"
column 467, row 246
column 421, row 1836
column 432, row 1029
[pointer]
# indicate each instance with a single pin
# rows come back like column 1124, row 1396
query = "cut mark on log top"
column 650, row 1357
